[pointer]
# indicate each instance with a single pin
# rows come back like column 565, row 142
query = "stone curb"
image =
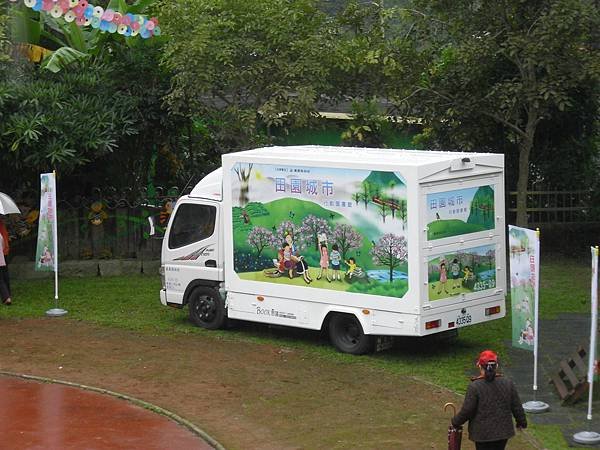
column 146, row 405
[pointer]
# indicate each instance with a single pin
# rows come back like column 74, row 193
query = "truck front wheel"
column 347, row 335
column 207, row 309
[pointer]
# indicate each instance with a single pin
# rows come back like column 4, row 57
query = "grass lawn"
column 132, row 303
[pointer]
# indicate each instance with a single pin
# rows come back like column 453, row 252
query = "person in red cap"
column 490, row 404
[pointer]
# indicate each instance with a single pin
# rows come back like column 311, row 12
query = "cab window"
column 192, row 223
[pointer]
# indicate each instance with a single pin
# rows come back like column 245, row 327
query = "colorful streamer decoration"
column 107, row 20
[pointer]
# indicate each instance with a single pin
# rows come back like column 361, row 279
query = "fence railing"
column 557, row 207
column 102, row 229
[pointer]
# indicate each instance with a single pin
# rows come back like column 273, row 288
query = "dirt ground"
column 245, row 395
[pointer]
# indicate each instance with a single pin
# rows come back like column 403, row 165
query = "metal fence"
column 102, row 227
column 557, row 207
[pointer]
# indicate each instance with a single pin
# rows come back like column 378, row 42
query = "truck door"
column 192, row 249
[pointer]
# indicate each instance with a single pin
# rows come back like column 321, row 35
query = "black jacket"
column 489, row 407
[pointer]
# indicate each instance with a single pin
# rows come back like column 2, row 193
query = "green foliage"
column 397, row 288
column 64, row 122
column 245, row 63
column 504, row 77
column 62, row 58
column 366, row 127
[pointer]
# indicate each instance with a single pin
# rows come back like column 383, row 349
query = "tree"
column 251, row 62
column 357, row 196
column 366, row 192
column 402, row 211
column 310, row 229
column 383, row 209
column 244, row 178
column 491, row 257
column 346, row 238
column 506, row 67
column 285, row 228
column 390, row 251
column 260, row 237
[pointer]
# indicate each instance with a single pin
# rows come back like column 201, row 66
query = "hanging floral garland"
column 85, row 14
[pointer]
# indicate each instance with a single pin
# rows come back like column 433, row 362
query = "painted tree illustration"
column 490, row 254
column 392, row 199
column 383, row 209
column 260, row 238
column 284, row 228
column 347, row 238
column 390, row 251
column 310, row 229
column 244, row 177
column 365, row 194
column 357, row 197
column 402, row 211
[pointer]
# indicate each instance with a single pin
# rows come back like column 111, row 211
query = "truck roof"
column 333, row 154
column 431, row 161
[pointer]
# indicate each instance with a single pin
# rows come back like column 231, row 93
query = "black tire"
column 347, row 335
column 207, row 308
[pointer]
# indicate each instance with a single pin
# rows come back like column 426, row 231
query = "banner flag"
column 45, row 255
column 524, row 286
column 593, row 362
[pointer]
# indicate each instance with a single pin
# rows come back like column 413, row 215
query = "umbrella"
column 8, row 205
column 454, row 433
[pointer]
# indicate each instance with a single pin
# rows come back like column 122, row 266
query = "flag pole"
column 591, row 437
column 56, row 311
column 535, row 406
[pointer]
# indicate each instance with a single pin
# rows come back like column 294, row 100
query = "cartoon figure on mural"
column 288, row 219
column 245, row 216
column 462, row 272
column 527, row 335
column 443, row 278
column 293, row 261
column 336, row 259
column 524, row 305
column 287, row 259
column 46, row 257
column 351, row 263
column 324, row 261
column 455, row 273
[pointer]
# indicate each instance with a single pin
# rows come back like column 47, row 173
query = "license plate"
column 463, row 319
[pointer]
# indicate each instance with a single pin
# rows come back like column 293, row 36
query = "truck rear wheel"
column 347, row 335
column 207, row 309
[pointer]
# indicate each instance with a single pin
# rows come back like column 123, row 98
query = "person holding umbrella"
column 7, row 206
column 5, row 295
column 490, row 404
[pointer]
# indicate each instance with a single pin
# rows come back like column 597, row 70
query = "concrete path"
column 559, row 338
column 46, row 416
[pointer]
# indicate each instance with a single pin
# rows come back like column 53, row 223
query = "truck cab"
column 192, row 253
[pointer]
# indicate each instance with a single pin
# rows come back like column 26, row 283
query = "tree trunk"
column 522, row 182
column 244, row 197
column 525, row 147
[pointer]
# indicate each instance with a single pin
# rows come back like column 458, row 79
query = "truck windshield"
column 192, row 223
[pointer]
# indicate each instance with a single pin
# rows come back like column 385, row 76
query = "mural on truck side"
column 462, row 211
column 462, row 272
column 335, row 229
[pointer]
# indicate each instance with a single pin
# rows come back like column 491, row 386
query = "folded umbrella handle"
column 452, row 406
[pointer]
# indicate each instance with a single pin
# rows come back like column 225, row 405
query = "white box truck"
column 361, row 242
